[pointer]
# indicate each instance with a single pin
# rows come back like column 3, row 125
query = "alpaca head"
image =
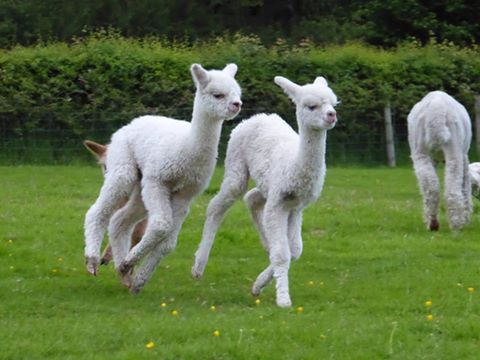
column 218, row 94
column 315, row 103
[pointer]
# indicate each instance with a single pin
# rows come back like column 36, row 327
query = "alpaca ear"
column 98, row 150
column 321, row 81
column 200, row 75
column 230, row 69
column 290, row 88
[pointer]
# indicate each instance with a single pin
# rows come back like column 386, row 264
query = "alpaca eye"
column 312, row 107
column 218, row 96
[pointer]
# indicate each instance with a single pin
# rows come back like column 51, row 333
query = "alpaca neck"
column 311, row 152
column 204, row 133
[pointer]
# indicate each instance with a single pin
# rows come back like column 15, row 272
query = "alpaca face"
column 315, row 103
column 218, row 94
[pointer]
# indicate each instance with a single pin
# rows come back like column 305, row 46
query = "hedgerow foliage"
column 100, row 83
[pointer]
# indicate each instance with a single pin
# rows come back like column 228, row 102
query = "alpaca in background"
column 439, row 126
column 99, row 151
column 289, row 171
column 160, row 164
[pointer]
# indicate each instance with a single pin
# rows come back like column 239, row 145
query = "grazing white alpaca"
column 474, row 169
column 439, row 125
column 159, row 164
column 289, row 171
column 100, row 153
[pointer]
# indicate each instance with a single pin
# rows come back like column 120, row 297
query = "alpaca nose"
column 237, row 104
column 331, row 116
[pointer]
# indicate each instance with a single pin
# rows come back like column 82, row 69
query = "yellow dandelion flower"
column 459, row 284
column 174, row 312
column 322, row 284
column 471, row 290
column 12, row 267
column 429, row 317
column 213, row 308
column 10, row 241
column 428, row 303
column 60, row 259
column 323, row 337
column 257, row 302
column 300, row 309
column 163, row 305
column 216, row 333
column 54, row 271
column 311, row 283
column 150, row 345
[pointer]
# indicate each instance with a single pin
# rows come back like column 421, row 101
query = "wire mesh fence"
column 65, row 146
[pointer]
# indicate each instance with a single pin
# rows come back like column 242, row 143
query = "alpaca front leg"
column 430, row 188
column 156, row 199
column 148, row 266
column 276, row 227
column 295, row 233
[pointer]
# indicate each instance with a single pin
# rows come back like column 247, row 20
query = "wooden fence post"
column 389, row 135
column 477, row 124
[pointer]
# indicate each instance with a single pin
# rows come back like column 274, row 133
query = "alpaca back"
column 437, row 120
column 261, row 143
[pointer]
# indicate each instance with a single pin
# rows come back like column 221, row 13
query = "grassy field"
column 361, row 290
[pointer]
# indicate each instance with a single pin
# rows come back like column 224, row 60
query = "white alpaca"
column 439, row 125
column 289, row 171
column 159, row 164
column 474, row 169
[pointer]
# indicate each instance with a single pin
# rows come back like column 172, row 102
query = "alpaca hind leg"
column 256, row 202
column 232, row 188
column 117, row 186
column 457, row 206
column 429, row 187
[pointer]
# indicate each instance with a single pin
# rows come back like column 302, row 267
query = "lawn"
column 361, row 290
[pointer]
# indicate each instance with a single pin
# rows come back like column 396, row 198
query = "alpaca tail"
column 437, row 131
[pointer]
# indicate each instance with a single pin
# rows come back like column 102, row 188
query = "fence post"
column 477, row 123
column 389, row 135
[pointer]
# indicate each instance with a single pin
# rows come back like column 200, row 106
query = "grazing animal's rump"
column 439, row 126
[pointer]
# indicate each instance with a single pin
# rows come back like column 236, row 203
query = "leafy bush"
column 92, row 87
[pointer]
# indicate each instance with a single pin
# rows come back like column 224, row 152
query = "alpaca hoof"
column 126, row 279
column 284, row 302
column 92, row 263
column 197, row 270
column 434, row 225
column 125, row 268
column 256, row 290
column 134, row 290
column 105, row 260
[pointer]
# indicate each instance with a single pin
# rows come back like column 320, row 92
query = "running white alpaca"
column 439, row 125
column 160, row 164
column 474, row 169
column 289, row 171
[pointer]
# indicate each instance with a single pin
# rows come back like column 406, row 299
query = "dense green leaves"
column 92, row 87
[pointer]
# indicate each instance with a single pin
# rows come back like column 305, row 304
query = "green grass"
column 367, row 269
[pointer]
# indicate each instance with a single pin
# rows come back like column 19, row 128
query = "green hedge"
column 92, row 87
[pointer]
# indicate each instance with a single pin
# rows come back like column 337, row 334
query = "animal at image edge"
column 439, row 127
